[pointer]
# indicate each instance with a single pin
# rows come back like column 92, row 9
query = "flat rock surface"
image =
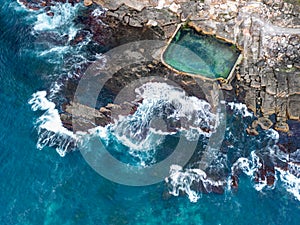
column 268, row 32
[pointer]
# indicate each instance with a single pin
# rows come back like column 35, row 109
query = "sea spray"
column 187, row 180
column 50, row 128
column 250, row 167
column 62, row 20
column 291, row 179
column 240, row 108
column 194, row 114
column 163, row 105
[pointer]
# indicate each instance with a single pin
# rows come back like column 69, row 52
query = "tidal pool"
column 195, row 53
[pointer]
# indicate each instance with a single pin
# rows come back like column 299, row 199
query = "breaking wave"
column 165, row 111
column 267, row 166
column 141, row 132
column 50, row 128
column 291, row 179
column 240, row 108
column 184, row 180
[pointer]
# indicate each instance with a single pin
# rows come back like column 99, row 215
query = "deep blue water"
column 40, row 187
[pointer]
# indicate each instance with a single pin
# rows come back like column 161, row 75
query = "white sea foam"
column 193, row 113
column 273, row 134
column 62, row 26
column 59, row 49
column 144, row 130
column 98, row 12
column 50, row 128
column 62, row 19
column 250, row 167
column 181, row 180
column 72, row 32
column 161, row 99
column 291, row 179
column 55, row 88
column 137, row 131
column 240, row 108
column 24, row 7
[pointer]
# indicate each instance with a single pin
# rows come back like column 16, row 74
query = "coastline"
column 268, row 78
column 269, row 75
column 264, row 80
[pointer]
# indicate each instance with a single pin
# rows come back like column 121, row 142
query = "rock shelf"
column 267, row 31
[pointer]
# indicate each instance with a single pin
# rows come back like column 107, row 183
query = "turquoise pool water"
column 201, row 54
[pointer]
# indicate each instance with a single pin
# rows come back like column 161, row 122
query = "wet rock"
column 252, row 131
column 281, row 125
column 234, row 181
column 67, row 121
column 265, row 123
column 51, row 14
column 87, row 2
column 271, row 179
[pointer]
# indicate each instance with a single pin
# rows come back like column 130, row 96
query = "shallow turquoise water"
column 40, row 187
column 201, row 54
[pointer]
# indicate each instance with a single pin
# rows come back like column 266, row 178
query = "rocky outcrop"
column 267, row 31
column 86, row 117
column 45, row 4
column 268, row 79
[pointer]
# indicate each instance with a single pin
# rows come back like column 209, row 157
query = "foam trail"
column 56, row 87
column 61, row 24
column 71, row 58
column 194, row 114
column 181, row 180
column 291, row 179
column 50, row 128
column 134, row 130
column 62, row 19
column 163, row 103
column 291, row 182
column 162, row 106
column 250, row 167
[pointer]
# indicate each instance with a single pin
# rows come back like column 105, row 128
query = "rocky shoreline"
column 267, row 80
column 267, row 31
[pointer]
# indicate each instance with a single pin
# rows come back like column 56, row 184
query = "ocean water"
column 41, row 187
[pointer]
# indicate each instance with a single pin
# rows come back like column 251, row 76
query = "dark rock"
column 51, row 14
column 265, row 123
